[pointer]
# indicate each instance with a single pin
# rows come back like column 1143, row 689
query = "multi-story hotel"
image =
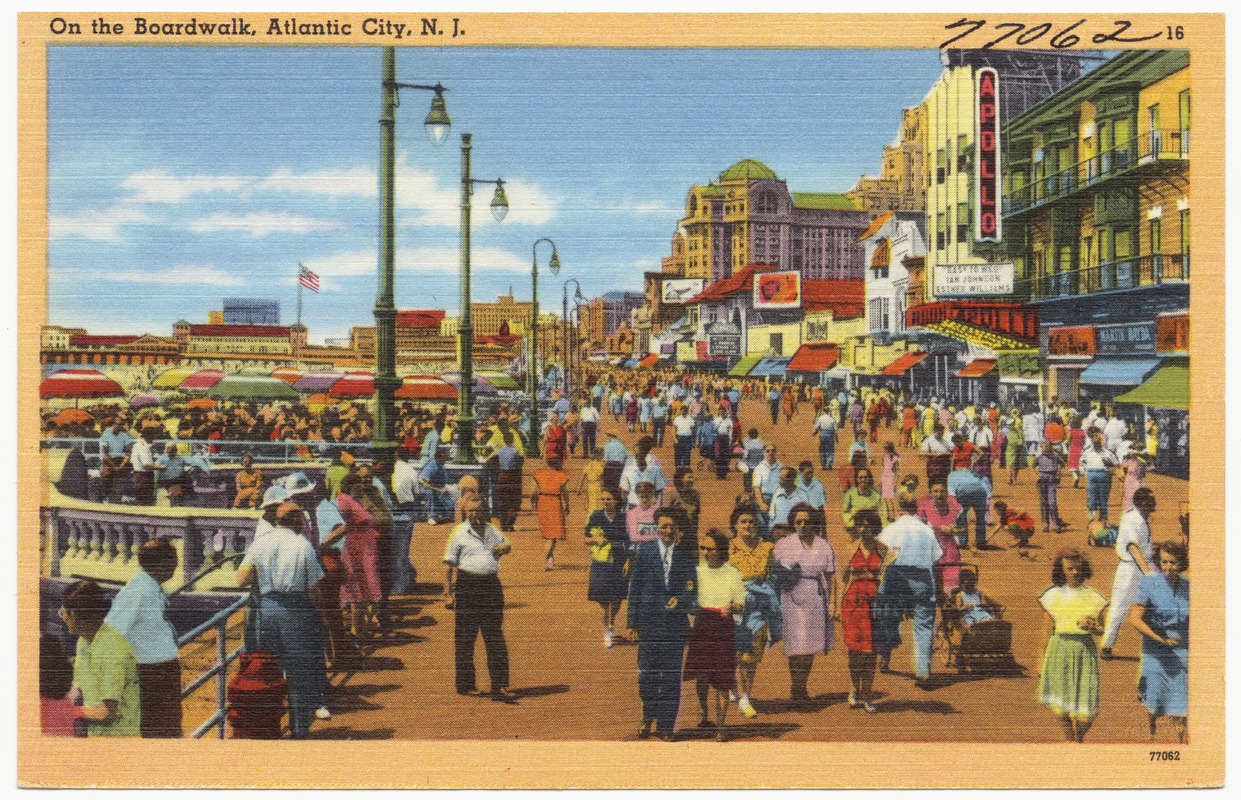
column 749, row 216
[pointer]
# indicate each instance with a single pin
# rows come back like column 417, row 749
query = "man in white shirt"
column 472, row 560
column 1133, row 548
column 908, row 587
column 142, row 458
column 761, row 478
column 786, row 495
column 1114, row 432
column 981, row 435
column 590, row 429
column 683, row 448
column 938, row 452
column 825, row 426
column 1097, row 461
column 140, row 614
column 1032, row 428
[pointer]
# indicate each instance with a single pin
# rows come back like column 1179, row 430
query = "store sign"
column 987, row 157
column 1127, row 339
column 1019, row 364
column 1074, row 341
column 1172, row 334
column 973, row 279
column 723, row 339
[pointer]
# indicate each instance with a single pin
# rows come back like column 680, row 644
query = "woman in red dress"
column 861, row 580
column 555, row 448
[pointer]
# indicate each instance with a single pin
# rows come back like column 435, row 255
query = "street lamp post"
column 532, row 369
column 564, row 323
column 437, row 124
column 465, row 328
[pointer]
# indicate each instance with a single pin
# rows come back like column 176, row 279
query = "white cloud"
column 355, row 182
column 438, row 200
column 158, row 186
column 180, row 275
column 448, row 260
column 342, row 265
column 98, row 226
column 261, row 223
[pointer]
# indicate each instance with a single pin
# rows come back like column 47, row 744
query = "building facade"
column 893, row 241
column 902, row 182
column 251, row 311
column 750, row 216
column 1097, row 212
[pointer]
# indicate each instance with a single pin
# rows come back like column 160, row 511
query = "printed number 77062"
column 1165, row 755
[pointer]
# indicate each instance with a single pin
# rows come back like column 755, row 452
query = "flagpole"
column 299, row 293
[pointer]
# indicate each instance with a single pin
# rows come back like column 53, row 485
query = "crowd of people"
column 706, row 606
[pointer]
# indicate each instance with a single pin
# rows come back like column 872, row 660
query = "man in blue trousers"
column 970, row 490
column 661, row 596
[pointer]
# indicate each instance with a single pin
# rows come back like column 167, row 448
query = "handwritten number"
column 1064, row 38
column 1034, row 34
column 975, row 23
column 1122, row 25
column 1017, row 27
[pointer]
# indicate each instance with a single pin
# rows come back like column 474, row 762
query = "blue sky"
column 180, row 176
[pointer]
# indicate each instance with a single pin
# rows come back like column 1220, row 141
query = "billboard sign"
column 973, row 279
column 987, row 156
column 676, row 291
column 777, row 289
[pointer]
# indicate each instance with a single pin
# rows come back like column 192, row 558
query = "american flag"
column 308, row 279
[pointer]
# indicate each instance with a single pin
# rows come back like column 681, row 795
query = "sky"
column 179, row 177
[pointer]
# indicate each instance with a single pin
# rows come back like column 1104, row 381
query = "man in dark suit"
column 662, row 593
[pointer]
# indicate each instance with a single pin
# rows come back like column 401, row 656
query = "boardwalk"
column 568, row 686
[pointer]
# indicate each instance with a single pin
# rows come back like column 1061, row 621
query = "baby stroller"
column 979, row 640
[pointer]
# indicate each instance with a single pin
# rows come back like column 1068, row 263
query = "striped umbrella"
column 76, row 383
column 204, row 403
column 203, row 379
column 354, row 384
column 318, row 380
column 426, row 387
column 500, row 380
column 171, row 378
column 317, row 402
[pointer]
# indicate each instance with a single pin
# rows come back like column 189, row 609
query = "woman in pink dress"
column 361, row 590
column 806, row 609
column 940, row 510
column 1077, row 440
column 887, row 478
column 1134, row 469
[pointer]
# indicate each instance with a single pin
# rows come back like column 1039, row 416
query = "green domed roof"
column 749, row 170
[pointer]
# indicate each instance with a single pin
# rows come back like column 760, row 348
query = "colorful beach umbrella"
column 501, row 380
column 243, row 386
column 482, row 386
column 171, row 378
column 288, row 374
column 203, row 403
column 203, row 379
column 317, row 402
column 77, row 383
column 143, row 401
column 318, row 380
column 426, row 387
column 73, row 416
column 354, row 384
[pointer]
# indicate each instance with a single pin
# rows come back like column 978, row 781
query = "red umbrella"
column 426, row 387
column 354, row 384
column 79, row 383
column 289, row 375
column 73, row 416
column 205, row 403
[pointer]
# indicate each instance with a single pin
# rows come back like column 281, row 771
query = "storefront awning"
column 903, row 364
column 1119, row 371
column 814, row 357
column 771, row 367
column 1167, row 388
column 977, row 368
column 743, row 367
column 837, row 373
column 649, row 361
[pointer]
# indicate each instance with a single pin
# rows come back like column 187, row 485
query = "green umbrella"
column 252, row 387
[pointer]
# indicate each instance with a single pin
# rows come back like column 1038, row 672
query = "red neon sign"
column 987, row 221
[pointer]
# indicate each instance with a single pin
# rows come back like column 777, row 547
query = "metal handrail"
column 220, row 669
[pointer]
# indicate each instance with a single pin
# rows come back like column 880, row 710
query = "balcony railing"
column 1148, row 270
column 1158, row 146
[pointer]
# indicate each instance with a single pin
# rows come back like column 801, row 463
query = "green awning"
column 743, row 367
column 1167, row 388
column 501, row 380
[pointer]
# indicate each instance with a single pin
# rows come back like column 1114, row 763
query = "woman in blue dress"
column 1161, row 614
column 607, row 536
